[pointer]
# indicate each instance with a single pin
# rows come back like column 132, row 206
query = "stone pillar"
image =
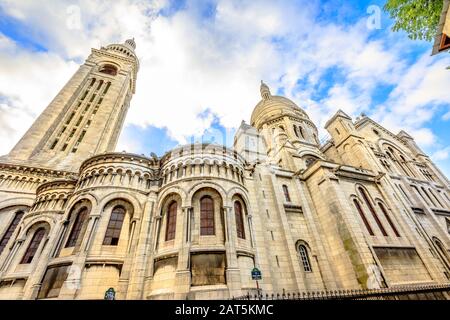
column 233, row 273
column 183, row 273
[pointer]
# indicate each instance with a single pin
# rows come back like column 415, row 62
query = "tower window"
column 78, row 123
column 33, row 246
column 84, row 95
column 206, row 216
column 54, row 144
column 304, row 258
column 239, row 220
column 70, row 117
column 107, row 87
column 286, row 193
column 100, row 84
column 109, row 69
column 171, row 221
column 18, row 216
column 114, row 226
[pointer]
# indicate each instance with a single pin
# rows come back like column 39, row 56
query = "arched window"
column 435, row 197
column 363, row 217
column 304, row 258
column 420, row 194
column 372, row 210
column 404, row 193
column 300, row 131
column 239, row 220
column 171, row 222
column 442, row 252
column 428, row 196
column 76, row 228
column 114, row 226
column 286, row 193
column 207, row 216
column 109, row 69
column 386, row 215
column 295, row 130
column 107, row 88
column 100, row 84
column 33, row 246
column 17, row 217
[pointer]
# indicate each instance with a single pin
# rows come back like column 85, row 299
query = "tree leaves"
column 418, row 18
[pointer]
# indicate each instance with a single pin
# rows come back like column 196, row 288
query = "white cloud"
column 441, row 155
column 192, row 67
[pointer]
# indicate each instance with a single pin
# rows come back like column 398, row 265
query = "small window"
column 207, row 216
column 114, row 226
column 239, row 220
column 286, row 193
column 171, row 222
column 376, row 132
column 33, row 246
column 109, row 69
column 304, row 258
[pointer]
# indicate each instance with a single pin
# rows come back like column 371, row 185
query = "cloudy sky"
column 202, row 62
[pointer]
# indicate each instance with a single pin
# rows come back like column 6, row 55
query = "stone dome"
column 273, row 106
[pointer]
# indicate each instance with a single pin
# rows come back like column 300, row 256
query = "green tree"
column 418, row 18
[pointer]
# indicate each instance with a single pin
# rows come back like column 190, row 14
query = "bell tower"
column 86, row 116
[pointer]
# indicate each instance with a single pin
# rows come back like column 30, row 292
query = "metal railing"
column 422, row 292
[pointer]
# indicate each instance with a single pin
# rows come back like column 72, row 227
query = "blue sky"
column 202, row 62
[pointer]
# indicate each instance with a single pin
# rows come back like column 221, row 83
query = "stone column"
column 233, row 273
column 183, row 273
column 143, row 238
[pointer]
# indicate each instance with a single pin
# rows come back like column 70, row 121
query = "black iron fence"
column 423, row 292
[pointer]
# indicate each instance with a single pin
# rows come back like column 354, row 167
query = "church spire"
column 265, row 91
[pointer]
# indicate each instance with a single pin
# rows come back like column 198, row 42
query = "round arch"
column 193, row 190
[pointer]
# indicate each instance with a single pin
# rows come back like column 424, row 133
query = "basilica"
column 78, row 220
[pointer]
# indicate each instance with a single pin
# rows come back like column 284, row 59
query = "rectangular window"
column 208, row 269
column 53, row 281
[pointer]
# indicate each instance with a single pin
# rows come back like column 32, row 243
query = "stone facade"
column 366, row 209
